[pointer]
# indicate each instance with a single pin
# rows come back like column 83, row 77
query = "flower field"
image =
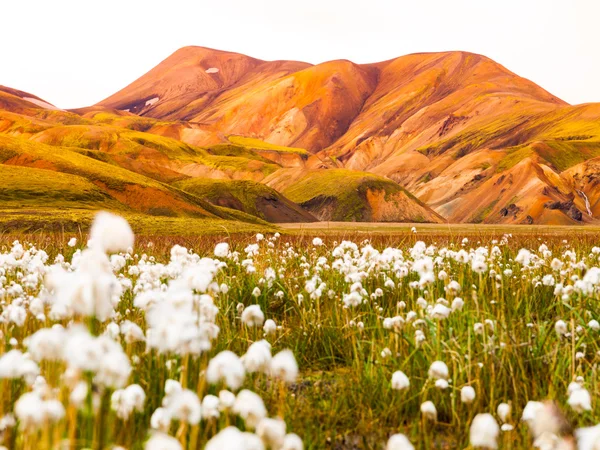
column 287, row 342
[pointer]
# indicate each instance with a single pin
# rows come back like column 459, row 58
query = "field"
column 452, row 336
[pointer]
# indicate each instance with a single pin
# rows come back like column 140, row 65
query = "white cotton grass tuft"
column 503, row 412
column 484, row 432
column 162, row 441
column 292, row 442
column 258, row 357
column 428, row 410
column 284, row 366
column 467, row 394
column 399, row 442
column 250, row 407
column 271, row 432
column 580, row 400
column 231, row 438
column 227, row 367
column 221, row 250
column 400, row 381
column 253, row 316
column 111, row 233
column 438, row 370
column 270, row 327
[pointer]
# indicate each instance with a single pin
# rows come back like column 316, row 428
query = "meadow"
column 311, row 336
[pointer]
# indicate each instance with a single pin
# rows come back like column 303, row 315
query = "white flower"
column 484, row 431
column 400, row 381
column 531, row 411
column 228, row 367
column 457, row 304
column 428, row 410
column 72, row 242
column 111, row 233
column 440, row 312
column 231, row 438
column 211, row 407
column 561, row 327
column 580, row 400
column 594, row 325
column 162, row 441
column 503, row 411
column 399, row 442
column 250, row 407
column 258, row 357
column 467, row 394
column 284, row 366
column 270, row 327
column 317, row 242
column 221, row 250
column 253, row 316
column 438, row 369
column 271, row 431
column 184, row 406
column 588, row 438
column 292, row 442
column 226, row 399
column 441, row 384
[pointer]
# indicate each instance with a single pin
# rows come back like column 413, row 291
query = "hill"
column 453, row 128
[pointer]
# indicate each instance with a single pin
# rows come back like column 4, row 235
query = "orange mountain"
column 434, row 137
column 464, row 134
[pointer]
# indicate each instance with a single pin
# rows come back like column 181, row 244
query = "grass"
column 343, row 398
column 257, row 144
column 344, row 189
column 241, row 194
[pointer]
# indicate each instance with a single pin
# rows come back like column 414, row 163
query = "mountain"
column 429, row 137
column 467, row 137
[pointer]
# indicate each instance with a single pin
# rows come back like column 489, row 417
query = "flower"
column 400, row 381
column 252, row 316
column 250, row 407
column 270, row 327
column 232, row 438
column 228, row 367
column 467, row 394
column 503, row 411
column 440, row 312
column 162, row 441
column 258, row 357
column 284, row 366
column 317, row 242
column 438, row 369
column 428, row 410
column 292, row 442
column 111, row 233
column 221, row 250
column 271, row 431
column 72, row 242
column 484, row 431
column 580, row 400
column 561, row 327
column 399, row 442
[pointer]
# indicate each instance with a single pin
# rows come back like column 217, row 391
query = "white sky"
column 75, row 52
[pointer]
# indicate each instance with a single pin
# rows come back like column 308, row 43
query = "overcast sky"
column 75, row 53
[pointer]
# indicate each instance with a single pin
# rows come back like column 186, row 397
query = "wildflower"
column 560, row 327
column 284, row 366
column 226, row 399
column 441, row 384
column 228, row 367
column 221, row 250
column 250, row 407
column 398, row 442
column 111, row 233
column 72, row 242
column 258, row 357
column 484, row 431
column 580, row 400
column 440, row 312
column 270, row 327
column 594, row 325
column 467, row 394
column 232, row 438
column 503, row 411
column 210, row 407
column 292, row 442
column 400, row 381
column 428, row 410
column 184, row 406
column 317, row 242
column 162, row 441
column 253, row 316
column 271, row 431
column 438, row 370
column 457, row 304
